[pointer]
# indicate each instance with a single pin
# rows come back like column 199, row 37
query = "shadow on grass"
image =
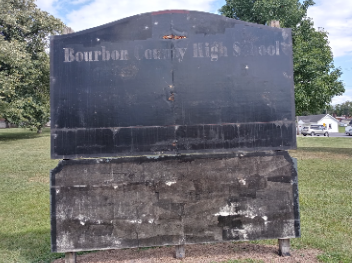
column 32, row 246
column 20, row 134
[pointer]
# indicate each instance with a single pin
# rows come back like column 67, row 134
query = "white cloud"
column 336, row 18
column 347, row 96
column 100, row 12
column 78, row 2
column 341, row 99
column 84, row 14
column 48, row 6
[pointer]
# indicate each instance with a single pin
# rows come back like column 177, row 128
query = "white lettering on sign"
column 79, row 56
column 124, row 55
column 105, row 54
column 69, row 57
column 250, row 49
column 213, row 51
column 177, row 53
column 88, row 56
column 180, row 52
column 236, row 49
column 148, row 54
column 98, row 55
column 115, row 55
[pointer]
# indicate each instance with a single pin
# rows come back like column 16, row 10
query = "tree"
column 343, row 109
column 24, row 62
column 315, row 77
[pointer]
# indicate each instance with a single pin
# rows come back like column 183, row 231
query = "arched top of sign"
column 172, row 81
column 171, row 22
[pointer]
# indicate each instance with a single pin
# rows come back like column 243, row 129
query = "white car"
column 349, row 132
column 315, row 130
column 348, row 127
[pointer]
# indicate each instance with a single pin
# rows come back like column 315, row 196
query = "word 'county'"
column 200, row 50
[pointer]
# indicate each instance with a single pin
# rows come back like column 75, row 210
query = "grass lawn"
column 325, row 186
column 325, row 173
column 342, row 129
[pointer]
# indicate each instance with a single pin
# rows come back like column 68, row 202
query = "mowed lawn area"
column 325, row 173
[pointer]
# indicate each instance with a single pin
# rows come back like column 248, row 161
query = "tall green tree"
column 316, row 79
column 343, row 109
column 24, row 62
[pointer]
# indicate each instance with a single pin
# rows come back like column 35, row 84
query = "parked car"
column 315, row 130
column 348, row 127
column 349, row 132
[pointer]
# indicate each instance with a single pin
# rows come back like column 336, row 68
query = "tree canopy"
column 342, row 109
column 24, row 62
column 316, row 79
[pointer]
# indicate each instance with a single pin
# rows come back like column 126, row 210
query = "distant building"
column 343, row 120
column 331, row 124
column 3, row 124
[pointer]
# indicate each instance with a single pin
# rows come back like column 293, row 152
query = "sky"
column 334, row 17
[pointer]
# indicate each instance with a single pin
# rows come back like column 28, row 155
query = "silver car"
column 349, row 132
column 315, row 130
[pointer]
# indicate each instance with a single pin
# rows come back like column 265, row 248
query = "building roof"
column 314, row 118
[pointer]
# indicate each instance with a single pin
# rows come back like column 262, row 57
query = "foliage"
column 315, row 77
column 289, row 12
column 24, row 62
column 343, row 109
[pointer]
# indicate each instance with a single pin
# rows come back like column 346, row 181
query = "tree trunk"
column 7, row 124
column 39, row 130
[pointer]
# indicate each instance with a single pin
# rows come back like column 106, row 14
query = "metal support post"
column 284, row 247
column 70, row 257
column 180, row 251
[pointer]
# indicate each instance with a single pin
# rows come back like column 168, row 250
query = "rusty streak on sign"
column 122, row 89
column 143, row 202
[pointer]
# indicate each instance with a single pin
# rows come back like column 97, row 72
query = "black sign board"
column 172, row 82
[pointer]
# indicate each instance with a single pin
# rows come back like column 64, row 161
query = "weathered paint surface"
column 143, row 201
column 172, row 82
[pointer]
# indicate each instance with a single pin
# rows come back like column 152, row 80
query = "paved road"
column 333, row 134
column 337, row 134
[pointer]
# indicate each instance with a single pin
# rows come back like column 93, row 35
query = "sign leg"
column 284, row 247
column 70, row 257
column 180, row 251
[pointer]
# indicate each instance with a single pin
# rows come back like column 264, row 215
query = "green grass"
column 342, row 129
column 325, row 183
column 24, row 195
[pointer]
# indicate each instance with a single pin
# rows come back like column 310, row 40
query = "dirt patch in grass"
column 205, row 253
column 39, row 179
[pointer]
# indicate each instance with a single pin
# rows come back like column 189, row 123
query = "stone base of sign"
column 99, row 204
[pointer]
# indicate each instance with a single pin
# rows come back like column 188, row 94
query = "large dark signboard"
column 172, row 82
